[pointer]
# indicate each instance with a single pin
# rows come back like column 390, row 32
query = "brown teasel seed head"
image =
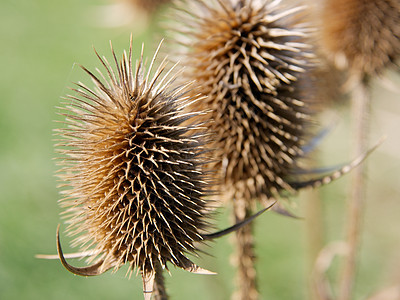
column 362, row 35
column 132, row 169
column 148, row 5
column 119, row 13
column 250, row 58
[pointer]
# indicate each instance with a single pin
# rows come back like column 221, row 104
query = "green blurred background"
column 41, row 43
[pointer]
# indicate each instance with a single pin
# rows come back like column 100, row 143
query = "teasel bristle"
column 362, row 35
column 135, row 189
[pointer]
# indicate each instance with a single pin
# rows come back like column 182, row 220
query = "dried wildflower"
column 137, row 14
column 134, row 165
column 136, row 191
column 362, row 35
column 148, row 5
column 250, row 58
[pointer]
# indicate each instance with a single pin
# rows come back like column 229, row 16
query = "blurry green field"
column 41, row 43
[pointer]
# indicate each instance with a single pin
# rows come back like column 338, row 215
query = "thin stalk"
column 314, row 232
column 246, row 287
column 361, row 106
column 159, row 291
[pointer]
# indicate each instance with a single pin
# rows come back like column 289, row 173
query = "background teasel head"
column 148, row 5
column 249, row 57
column 362, row 35
column 133, row 171
column 117, row 13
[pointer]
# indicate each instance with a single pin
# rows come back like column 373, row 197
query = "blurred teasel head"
column 362, row 36
column 132, row 170
column 250, row 58
column 148, row 5
column 137, row 14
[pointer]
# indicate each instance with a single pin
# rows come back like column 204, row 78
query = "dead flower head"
column 148, row 5
column 362, row 35
column 250, row 57
column 135, row 191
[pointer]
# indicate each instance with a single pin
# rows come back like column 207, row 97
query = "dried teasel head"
column 119, row 13
column 250, row 57
column 135, row 189
column 362, row 35
column 148, row 5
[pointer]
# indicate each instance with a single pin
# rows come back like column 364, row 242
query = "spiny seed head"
column 133, row 169
column 137, row 14
column 363, row 35
column 249, row 58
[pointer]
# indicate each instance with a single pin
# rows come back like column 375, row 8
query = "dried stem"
column 244, row 255
column 361, row 99
column 159, row 291
column 314, row 231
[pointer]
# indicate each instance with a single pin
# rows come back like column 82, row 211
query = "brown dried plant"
column 138, row 15
column 148, row 5
column 249, row 59
column 363, row 38
column 135, row 189
column 362, row 35
column 252, row 60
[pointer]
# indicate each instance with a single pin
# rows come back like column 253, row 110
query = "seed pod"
column 250, row 58
column 362, row 35
column 133, row 171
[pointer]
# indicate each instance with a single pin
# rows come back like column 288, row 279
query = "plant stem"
column 245, row 257
column 159, row 291
column 361, row 99
column 314, row 231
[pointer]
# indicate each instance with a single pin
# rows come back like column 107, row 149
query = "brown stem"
column 244, row 256
column 360, row 113
column 159, row 291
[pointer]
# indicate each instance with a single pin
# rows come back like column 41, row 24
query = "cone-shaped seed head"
column 249, row 58
column 133, row 170
column 363, row 35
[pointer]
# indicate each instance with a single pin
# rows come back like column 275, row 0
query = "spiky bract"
column 249, row 57
column 363, row 35
column 133, row 169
